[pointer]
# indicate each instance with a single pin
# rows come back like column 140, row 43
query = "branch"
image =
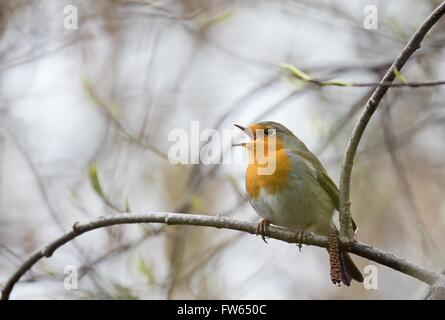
column 421, row 273
column 411, row 84
column 294, row 72
column 297, row 73
column 372, row 104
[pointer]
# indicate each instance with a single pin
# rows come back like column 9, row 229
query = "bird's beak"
column 246, row 131
column 240, row 127
column 242, row 144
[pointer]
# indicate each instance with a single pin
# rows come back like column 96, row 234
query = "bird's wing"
column 323, row 178
column 330, row 187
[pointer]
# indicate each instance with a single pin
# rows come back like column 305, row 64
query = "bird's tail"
column 348, row 269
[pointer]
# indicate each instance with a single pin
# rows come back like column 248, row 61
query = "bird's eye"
column 269, row 131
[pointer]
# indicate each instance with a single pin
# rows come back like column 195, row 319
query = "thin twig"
column 342, row 83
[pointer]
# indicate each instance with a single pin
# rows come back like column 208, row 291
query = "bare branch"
column 300, row 75
column 372, row 104
column 390, row 260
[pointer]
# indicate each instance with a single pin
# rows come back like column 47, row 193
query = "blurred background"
column 85, row 116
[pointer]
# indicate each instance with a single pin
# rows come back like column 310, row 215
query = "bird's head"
column 269, row 135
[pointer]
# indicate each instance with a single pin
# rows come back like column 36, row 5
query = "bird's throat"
column 274, row 182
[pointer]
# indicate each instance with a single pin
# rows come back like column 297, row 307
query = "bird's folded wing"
column 332, row 190
column 323, row 178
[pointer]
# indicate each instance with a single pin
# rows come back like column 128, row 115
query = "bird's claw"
column 355, row 233
column 261, row 228
column 300, row 239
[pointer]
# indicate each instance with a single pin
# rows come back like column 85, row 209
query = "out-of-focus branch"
column 340, row 124
column 108, row 112
column 429, row 247
column 90, row 265
column 372, row 104
column 419, row 272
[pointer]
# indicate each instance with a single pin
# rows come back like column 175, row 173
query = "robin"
column 296, row 193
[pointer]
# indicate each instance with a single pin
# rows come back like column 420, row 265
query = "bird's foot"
column 355, row 233
column 261, row 228
column 301, row 238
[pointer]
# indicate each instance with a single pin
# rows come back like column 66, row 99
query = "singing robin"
column 287, row 186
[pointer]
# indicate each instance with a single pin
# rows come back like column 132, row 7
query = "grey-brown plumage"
column 309, row 197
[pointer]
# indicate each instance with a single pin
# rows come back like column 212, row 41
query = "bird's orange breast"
column 272, row 183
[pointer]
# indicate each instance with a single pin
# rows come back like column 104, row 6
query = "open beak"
column 246, row 131
column 240, row 127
